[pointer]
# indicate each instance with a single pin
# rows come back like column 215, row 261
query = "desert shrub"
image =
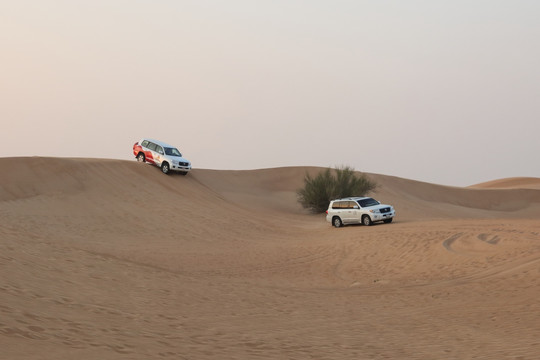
column 327, row 185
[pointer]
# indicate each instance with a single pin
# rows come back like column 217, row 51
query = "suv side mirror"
column 356, row 207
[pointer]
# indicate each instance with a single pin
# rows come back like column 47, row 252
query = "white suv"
column 358, row 210
column 158, row 153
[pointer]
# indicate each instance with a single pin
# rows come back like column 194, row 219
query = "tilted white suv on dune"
column 158, row 153
column 358, row 210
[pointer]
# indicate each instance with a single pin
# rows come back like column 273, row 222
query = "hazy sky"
column 438, row 91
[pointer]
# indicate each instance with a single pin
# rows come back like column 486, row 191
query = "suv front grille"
column 385, row 210
column 183, row 163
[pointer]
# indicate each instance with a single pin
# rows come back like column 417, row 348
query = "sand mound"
column 113, row 259
column 265, row 189
column 510, row 183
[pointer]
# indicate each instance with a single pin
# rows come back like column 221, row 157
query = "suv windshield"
column 368, row 202
column 172, row 152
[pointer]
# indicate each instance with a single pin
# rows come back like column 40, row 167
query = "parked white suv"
column 358, row 210
column 158, row 153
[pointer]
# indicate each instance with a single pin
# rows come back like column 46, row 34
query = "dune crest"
column 510, row 183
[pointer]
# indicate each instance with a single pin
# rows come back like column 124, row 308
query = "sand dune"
column 511, row 183
column 112, row 259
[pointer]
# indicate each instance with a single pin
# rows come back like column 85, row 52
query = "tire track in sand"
column 448, row 242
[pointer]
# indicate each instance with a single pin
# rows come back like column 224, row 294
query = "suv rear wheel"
column 140, row 157
column 336, row 221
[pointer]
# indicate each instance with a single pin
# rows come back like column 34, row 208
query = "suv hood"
column 377, row 207
column 180, row 159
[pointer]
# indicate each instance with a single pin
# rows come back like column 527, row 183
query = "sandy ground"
column 106, row 259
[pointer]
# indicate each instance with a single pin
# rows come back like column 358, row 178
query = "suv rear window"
column 145, row 143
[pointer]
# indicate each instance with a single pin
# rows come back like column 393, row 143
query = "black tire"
column 366, row 220
column 336, row 221
column 388, row 221
column 140, row 157
column 165, row 167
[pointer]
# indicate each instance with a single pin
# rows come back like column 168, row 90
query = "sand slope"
column 511, row 183
column 112, row 259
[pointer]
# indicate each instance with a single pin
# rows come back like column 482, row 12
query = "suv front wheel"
column 366, row 220
column 165, row 167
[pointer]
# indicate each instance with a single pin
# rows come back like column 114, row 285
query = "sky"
column 445, row 92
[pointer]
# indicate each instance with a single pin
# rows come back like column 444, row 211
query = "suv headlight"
column 374, row 211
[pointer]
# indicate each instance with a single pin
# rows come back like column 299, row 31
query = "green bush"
column 328, row 185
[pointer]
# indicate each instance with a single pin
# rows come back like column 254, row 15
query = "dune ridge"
column 113, row 259
column 510, row 183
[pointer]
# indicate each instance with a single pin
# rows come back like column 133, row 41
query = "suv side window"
column 339, row 205
column 152, row 146
column 159, row 149
column 352, row 204
column 145, row 143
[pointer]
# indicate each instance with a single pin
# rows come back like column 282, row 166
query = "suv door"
column 352, row 212
column 158, row 155
column 345, row 211
column 356, row 212
column 149, row 152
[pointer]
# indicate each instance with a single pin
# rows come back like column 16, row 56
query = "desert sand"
column 111, row 259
